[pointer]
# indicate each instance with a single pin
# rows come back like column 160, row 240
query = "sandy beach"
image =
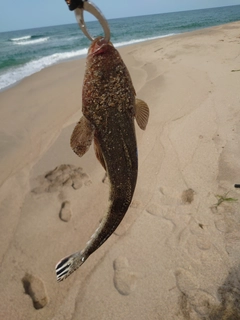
column 176, row 255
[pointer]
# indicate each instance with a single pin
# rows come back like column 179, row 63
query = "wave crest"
column 21, row 38
column 23, row 43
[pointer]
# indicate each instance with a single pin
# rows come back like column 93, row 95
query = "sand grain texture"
column 176, row 255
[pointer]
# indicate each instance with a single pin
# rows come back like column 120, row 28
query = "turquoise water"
column 25, row 52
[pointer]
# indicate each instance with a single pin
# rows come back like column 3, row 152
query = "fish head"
column 100, row 46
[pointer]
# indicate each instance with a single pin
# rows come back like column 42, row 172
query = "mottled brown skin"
column 108, row 103
column 108, row 116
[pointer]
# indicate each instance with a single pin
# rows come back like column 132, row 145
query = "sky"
column 27, row 14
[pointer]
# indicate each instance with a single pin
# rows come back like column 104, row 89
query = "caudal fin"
column 68, row 265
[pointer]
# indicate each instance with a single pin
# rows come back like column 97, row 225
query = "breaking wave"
column 16, row 74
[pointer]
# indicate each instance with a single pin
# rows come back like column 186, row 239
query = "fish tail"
column 68, row 265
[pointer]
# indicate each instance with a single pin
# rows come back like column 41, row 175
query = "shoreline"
column 176, row 248
column 132, row 42
column 83, row 56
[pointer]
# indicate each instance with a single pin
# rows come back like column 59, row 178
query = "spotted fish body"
column 109, row 108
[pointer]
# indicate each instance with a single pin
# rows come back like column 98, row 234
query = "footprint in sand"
column 154, row 209
column 203, row 243
column 34, row 287
column 65, row 175
column 163, row 211
column 225, row 225
column 124, row 280
column 196, row 299
column 65, row 212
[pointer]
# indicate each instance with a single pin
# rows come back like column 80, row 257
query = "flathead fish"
column 109, row 107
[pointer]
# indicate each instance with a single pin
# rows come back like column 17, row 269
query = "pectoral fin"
column 141, row 113
column 98, row 153
column 82, row 136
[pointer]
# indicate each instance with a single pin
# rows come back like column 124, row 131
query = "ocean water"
column 25, row 52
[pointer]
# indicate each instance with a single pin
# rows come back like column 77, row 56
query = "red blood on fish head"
column 99, row 45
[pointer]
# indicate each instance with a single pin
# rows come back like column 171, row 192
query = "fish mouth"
column 101, row 46
column 100, row 49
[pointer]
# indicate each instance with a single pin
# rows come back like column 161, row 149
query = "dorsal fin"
column 141, row 113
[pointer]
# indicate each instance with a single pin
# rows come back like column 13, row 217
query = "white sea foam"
column 21, row 38
column 16, row 74
column 35, row 41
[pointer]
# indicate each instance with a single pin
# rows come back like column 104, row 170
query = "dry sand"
column 176, row 255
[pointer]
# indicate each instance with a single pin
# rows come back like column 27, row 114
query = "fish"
column 109, row 107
